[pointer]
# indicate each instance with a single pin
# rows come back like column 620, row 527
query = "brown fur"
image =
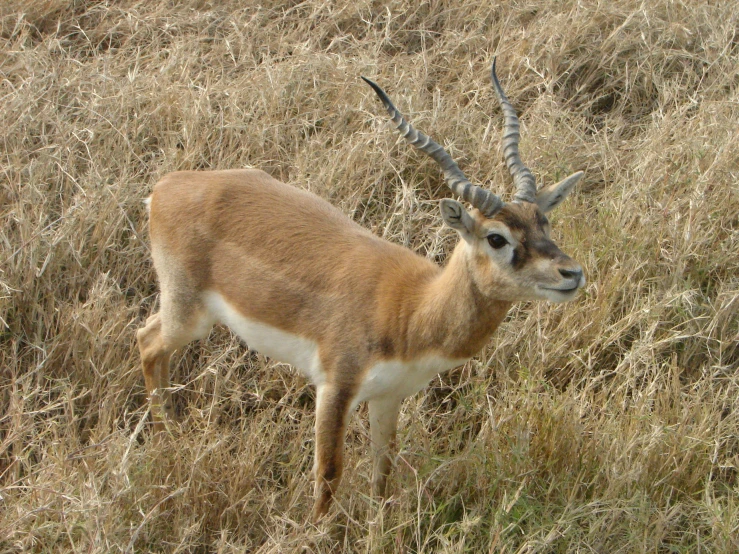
column 284, row 257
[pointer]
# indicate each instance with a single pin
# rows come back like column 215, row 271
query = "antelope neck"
column 455, row 317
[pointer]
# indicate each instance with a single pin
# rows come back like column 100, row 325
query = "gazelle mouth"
column 564, row 291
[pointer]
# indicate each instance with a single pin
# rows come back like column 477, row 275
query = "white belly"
column 297, row 351
column 399, row 379
column 389, row 378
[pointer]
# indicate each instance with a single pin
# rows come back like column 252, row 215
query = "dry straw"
column 607, row 425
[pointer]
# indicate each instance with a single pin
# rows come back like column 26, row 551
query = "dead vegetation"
column 606, row 425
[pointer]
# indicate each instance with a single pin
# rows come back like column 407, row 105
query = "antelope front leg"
column 155, row 362
column 383, row 414
column 332, row 413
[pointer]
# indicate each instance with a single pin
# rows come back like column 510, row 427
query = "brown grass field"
column 606, row 425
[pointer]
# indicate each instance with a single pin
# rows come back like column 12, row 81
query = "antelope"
column 364, row 319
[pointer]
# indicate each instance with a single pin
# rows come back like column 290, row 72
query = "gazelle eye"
column 497, row 241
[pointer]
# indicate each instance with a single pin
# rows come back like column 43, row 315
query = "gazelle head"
column 507, row 246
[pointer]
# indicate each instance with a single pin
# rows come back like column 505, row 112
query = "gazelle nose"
column 571, row 273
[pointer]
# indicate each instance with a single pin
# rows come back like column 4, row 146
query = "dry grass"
column 606, row 425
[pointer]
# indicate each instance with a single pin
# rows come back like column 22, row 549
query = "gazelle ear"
column 459, row 219
column 550, row 197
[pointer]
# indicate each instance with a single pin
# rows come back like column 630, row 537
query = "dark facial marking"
column 518, row 227
column 521, row 256
column 547, row 249
column 541, row 220
column 533, row 241
column 512, row 221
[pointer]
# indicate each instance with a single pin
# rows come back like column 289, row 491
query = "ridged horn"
column 484, row 200
column 523, row 179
